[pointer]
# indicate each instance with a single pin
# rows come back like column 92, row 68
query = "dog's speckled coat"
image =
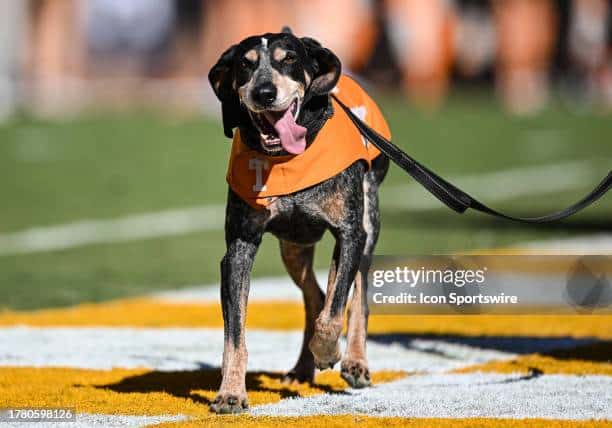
column 346, row 205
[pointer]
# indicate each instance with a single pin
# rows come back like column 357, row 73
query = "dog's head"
column 264, row 83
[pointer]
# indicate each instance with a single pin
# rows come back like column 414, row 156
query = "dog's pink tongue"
column 292, row 136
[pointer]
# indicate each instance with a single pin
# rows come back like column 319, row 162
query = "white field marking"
column 85, row 420
column 491, row 187
column 463, row 396
column 599, row 244
column 264, row 289
column 170, row 349
column 122, row 229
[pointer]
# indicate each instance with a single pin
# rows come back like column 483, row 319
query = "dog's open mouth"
column 278, row 129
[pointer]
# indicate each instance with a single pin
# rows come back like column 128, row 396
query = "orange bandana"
column 258, row 178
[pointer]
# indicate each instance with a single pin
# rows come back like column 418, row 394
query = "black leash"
column 454, row 198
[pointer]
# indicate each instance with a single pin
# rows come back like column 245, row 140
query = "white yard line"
column 463, row 396
column 122, row 229
column 491, row 187
column 262, row 289
column 597, row 244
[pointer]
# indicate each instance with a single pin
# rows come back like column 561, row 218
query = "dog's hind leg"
column 354, row 367
column 298, row 260
column 328, row 326
column 350, row 240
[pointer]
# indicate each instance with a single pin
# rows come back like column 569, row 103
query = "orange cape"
column 258, row 179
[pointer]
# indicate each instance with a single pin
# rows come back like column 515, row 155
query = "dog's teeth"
column 295, row 109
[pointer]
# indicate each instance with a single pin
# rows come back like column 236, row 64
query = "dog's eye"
column 290, row 58
column 245, row 63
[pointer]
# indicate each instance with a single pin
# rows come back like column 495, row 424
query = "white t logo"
column 258, row 165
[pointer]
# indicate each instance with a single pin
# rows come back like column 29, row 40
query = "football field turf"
column 110, row 223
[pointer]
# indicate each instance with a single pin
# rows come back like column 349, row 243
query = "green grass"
column 106, row 166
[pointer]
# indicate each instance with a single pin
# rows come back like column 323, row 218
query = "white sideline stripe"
column 168, row 349
column 123, row 229
column 494, row 186
column 598, row 244
column 263, row 289
column 281, row 288
column 86, row 420
column 463, row 396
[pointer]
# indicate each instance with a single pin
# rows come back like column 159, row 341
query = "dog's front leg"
column 235, row 272
column 328, row 327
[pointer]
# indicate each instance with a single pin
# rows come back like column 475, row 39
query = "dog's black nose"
column 264, row 94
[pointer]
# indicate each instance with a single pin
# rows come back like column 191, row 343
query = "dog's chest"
column 303, row 217
column 294, row 221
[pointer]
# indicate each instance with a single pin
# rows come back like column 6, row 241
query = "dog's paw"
column 326, row 353
column 229, row 403
column 355, row 373
column 299, row 375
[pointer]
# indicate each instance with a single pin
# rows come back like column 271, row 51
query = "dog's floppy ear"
column 221, row 78
column 325, row 67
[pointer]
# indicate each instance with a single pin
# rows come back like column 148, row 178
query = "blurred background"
column 112, row 159
column 62, row 56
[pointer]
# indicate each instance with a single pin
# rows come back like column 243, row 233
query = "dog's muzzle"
column 278, row 128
